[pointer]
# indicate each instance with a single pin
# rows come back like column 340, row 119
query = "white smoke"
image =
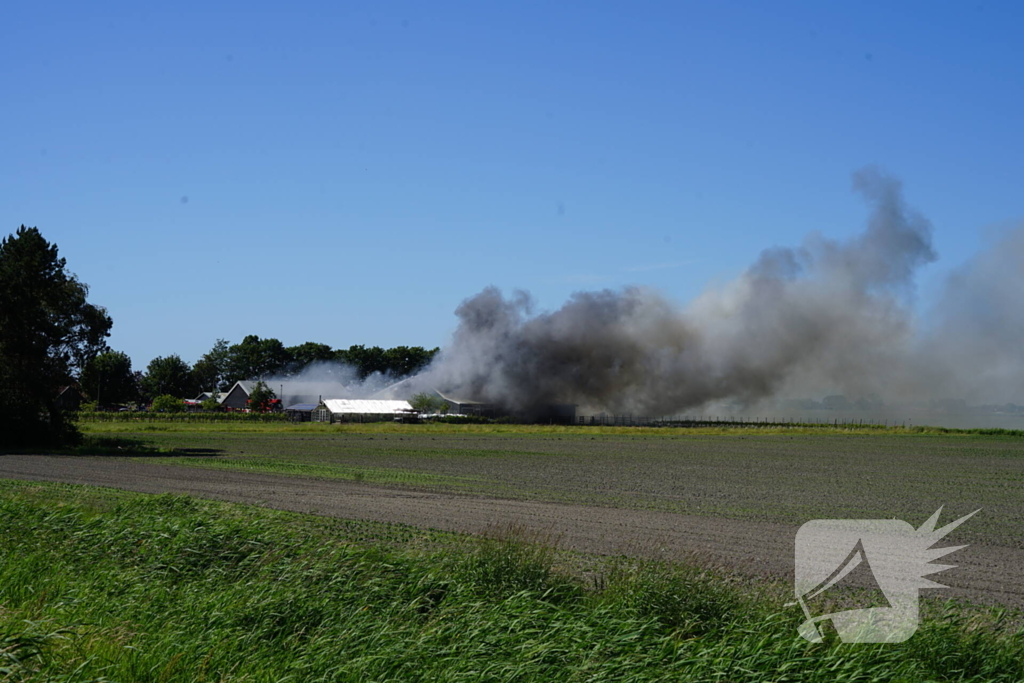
column 325, row 379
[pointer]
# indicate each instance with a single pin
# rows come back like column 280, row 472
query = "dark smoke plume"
column 832, row 316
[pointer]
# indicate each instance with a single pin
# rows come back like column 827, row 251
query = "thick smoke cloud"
column 828, row 316
column 973, row 348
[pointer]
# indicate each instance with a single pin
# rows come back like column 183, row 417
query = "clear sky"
column 348, row 173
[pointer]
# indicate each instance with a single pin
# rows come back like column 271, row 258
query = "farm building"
column 289, row 392
column 557, row 413
column 237, row 397
column 359, row 410
column 553, row 413
column 68, row 398
column 462, row 406
column 219, row 396
column 300, row 412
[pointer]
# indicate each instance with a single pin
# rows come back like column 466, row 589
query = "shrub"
column 168, row 404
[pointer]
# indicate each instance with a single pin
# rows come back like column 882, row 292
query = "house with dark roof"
column 69, row 398
column 237, row 397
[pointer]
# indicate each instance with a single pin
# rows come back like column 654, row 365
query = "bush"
column 168, row 404
column 260, row 398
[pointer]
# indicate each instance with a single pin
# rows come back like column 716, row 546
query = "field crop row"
column 768, row 477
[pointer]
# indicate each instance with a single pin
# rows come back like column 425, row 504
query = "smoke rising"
column 973, row 349
column 325, row 379
column 827, row 316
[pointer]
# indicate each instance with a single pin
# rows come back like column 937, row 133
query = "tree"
column 108, row 379
column 256, row 358
column 212, row 370
column 170, row 375
column 305, row 354
column 397, row 362
column 205, row 376
column 48, row 332
column 402, row 361
column 260, row 398
column 428, row 403
column 366, row 361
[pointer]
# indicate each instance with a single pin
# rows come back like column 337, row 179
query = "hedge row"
column 142, row 416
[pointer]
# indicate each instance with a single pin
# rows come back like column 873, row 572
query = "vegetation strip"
column 98, row 585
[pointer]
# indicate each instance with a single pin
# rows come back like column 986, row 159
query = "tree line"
column 108, row 378
column 52, row 337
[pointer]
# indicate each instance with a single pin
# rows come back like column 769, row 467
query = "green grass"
column 100, row 585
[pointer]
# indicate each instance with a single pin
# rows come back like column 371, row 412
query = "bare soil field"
column 730, row 501
column 780, row 478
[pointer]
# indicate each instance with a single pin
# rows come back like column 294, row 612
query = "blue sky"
column 349, row 172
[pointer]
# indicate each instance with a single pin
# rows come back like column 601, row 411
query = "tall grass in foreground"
column 169, row 588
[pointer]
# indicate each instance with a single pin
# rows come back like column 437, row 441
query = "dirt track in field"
column 989, row 574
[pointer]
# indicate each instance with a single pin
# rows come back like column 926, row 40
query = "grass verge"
column 98, row 585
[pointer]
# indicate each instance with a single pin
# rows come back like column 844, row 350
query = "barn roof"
column 305, row 407
column 365, row 406
column 245, row 385
column 460, row 401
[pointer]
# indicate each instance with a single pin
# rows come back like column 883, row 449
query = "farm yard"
column 615, row 553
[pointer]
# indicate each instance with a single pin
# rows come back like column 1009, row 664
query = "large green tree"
column 211, row 372
column 108, row 379
column 365, row 360
column 48, row 332
column 402, row 361
column 255, row 358
column 399, row 361
column 310, row 352
column 169, row 375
